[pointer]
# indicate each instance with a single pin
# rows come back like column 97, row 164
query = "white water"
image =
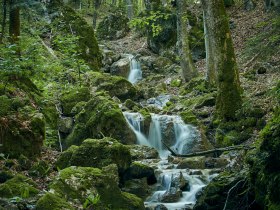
column 184, row 136
column 135, row 73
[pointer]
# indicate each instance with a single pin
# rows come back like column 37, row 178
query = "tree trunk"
column 96, row 5
column 3, row 20
column 188, row 69
column 14, row 26
column 129, row 5
column 221, row 63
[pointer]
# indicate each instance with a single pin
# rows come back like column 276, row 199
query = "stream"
column 175, row 188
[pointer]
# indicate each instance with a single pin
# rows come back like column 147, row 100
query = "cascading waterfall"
column 135, row 73
column 181, row 136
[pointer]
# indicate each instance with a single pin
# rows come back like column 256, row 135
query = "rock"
column 52, row 202
column 140, row 152
column 216, row 162
column 20, row 186
column 138, row 187
column 196, row 172
column 96, row 153
column 160, row 207
column 121, row 67
column 87, row 43
column 23, row 134
column 192, row 163
column 138, row 170
column 65, row 124
column 171, row 196
column 113, row 26
column 114, row 85
column 70, row 98
column 75, row 184
column 100, row 116
column 180, row 182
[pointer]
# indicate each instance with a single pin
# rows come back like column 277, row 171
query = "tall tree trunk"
column 188, row 69
column 96, row 5
column 222, row 68
column 129, row 5
column 14, row 26
column 3, row 20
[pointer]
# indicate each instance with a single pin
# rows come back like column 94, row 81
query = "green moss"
column 19, row 185
column 52, row 202
column 5, row 105
column 71, row 98
column 189, row 118
column 75, row 184
column 176, row 83
column 96, row 153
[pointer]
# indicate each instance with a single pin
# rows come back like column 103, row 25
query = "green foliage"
column 149, row 20
column 91, row 201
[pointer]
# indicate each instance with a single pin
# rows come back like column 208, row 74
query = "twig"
column 225, row 206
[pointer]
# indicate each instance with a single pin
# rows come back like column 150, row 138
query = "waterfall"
column 135, row 73
column 163, row 128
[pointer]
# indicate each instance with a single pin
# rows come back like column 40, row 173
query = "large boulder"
column 113, row 26
column 96, row 153
column 76, row 184
column 115, row 85
column 87, row 44
column 20, row 186
column 121, row 67
column 100, row 117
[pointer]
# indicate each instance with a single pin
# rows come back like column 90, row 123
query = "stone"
column 171, row 196
column 121, row 67
column 96, row 153
column 52, row 202
column 138, row 187
column 192, row 163
column 75, row 184
column 65, row 124
column 140, row 152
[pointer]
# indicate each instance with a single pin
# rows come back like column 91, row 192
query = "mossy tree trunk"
column 14, row 26
column 188, row 69
column 3, row 20
column 221, row 63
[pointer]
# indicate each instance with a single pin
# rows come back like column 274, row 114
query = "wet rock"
column 138, row 170
column 172, row 195
column 192, row 163
column 196, row 172
column 121, row 67
column 216, row 162
column 65, row 124
column 180, row 182
column 140, row 152
column 138, row 187
column 160, row 207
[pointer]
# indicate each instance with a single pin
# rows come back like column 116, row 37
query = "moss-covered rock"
column 66, row 17
column 192, row 163
column 70, row 98
column 52, row 202
column 23, row 133
column 75, row 184
column 113, row 26
column 140, row 152
column 20, row 186
column 265, row 165
column 96, row 153
column 114, row 85
column 100, row 116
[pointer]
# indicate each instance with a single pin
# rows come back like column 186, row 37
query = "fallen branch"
column 230, row 148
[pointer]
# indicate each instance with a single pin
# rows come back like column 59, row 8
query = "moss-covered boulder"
column 22, row 133
column 20, row 186
column 52, row 202
column 100, row 117
column 115, row 85
column 96, row 153
column 70, row 98
column 265, row 165
column 113, row 26
column 140, row 152
column 192, row 163
column 65, row 17
column 76, row 184
column 215, row 194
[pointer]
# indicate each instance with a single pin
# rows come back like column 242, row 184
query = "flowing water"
column 135, row 73
column 172, row 130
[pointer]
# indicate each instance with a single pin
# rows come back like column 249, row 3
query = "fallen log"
column 216, row 150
